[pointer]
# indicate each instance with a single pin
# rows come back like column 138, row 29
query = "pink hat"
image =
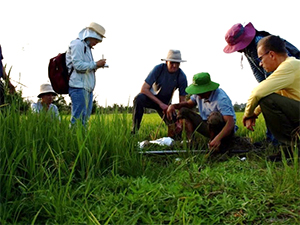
column 239, row 37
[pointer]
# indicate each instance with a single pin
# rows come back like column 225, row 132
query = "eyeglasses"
column 261, row 57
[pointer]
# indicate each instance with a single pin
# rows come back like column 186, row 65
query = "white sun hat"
column 174, row 56
column 94, row 30
column 97, row 28
column 45, row 89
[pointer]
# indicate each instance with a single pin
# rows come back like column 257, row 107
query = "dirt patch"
column 238, row 144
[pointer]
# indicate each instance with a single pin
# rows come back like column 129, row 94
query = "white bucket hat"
column 174, row 56
column 97, row 28
column 46, row 88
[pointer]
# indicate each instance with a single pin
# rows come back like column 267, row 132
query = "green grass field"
column 51, row 174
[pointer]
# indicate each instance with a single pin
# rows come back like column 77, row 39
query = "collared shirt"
column 38, row 107
column 285, row 80
column 218, row 101
column 251, row 54
column 79, row 56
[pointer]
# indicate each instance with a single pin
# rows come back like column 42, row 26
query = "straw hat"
column 239, row 37
column 97, row 28
column 201, row 84
column 45, row 89
column 174, row 56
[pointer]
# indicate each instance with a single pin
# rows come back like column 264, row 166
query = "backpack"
column 58, row 74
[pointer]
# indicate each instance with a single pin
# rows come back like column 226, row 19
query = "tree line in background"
column 65, row 108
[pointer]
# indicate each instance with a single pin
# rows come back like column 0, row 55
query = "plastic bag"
column 161, row 141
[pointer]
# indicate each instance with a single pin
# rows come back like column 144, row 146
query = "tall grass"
column 53, row 174
column 40, row 154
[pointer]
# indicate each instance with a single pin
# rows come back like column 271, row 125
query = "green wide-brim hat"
column 201, row 84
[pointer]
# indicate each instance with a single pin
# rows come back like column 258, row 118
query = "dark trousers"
column 140, row 102
column 196, row 120
column 282, row 116
column 208, row 128
column 1, row 93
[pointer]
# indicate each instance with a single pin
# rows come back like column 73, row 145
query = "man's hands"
column 101, row 63
column 214, row 144
column 171, row 112
column 249, row 122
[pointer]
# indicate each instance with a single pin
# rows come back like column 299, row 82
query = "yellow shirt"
column 285, row 80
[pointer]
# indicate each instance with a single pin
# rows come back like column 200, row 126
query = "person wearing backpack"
column 81, row 65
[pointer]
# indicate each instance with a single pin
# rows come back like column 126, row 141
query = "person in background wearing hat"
column 244, row 39
column 79, row 60
column 158, row 88
column 44, row 103
column 217, row 117
column 277, row 97
column 4, row 76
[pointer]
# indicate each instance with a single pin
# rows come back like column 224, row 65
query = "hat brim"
column 245, row 40
column 200, row 89
column 173, row 60
column 47, row 92
column 95, row 31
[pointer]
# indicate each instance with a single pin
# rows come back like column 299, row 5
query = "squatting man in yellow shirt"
column 277, row 97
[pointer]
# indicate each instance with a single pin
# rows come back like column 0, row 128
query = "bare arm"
column 182, row 98
column 226, row 131
column 183, row 103
column 146, row 91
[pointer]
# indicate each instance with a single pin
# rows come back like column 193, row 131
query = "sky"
column 139, row 33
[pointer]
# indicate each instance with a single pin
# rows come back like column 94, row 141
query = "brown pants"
column 194, row 122
column 1, row 93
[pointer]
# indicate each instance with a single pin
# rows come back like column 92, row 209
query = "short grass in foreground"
column 51, row 174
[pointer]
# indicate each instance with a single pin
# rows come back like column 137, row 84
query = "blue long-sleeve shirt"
column 79, row 56
column 38, row 107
